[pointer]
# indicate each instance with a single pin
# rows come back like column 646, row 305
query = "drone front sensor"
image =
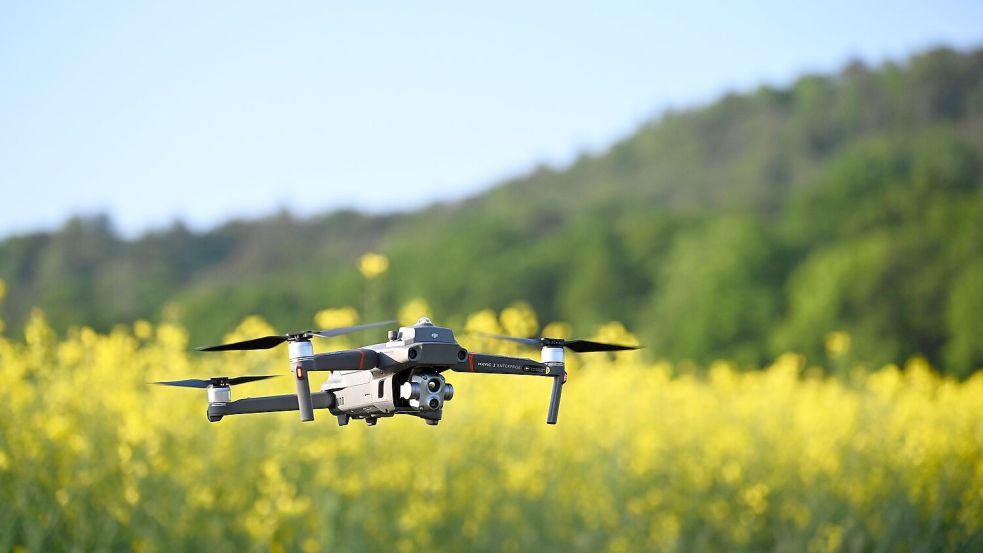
column 402, row 376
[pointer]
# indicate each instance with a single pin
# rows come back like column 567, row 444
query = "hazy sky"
column 207, row 110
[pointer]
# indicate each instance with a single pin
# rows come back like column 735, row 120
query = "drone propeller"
column 216, row 381
column 267, row 342
column 553, row 357
column 579, row 346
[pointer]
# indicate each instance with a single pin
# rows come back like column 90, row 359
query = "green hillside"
column 755, row 225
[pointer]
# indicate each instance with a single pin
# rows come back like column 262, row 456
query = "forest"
column 848, row 203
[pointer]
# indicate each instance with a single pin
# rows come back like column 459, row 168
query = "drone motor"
column 219, row 394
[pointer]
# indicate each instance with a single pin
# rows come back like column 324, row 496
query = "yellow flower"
column 333, row 318
column 837, row 343
column 142, row 329
column 483, row 321
column 519, row 319
column 615, row 332
column 373, row 265
column 557, row 329
column 413, row 310
column 750, row 449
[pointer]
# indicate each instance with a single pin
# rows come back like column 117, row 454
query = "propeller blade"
column 266, row 342
column 189, row 383
column 526, row 341
column 579, row 346
column 331, row 332
column 583, row 346
column 215, row 381
column 244, row 379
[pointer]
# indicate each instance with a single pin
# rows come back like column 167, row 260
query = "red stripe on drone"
column 361, row 360
column 471, row 362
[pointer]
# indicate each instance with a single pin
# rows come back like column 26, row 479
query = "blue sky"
column 203, row 111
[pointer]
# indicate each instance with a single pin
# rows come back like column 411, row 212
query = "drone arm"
column 267, row 404
column 500, row 364
column 346, row 360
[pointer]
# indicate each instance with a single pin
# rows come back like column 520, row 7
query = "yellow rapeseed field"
column 647, row 456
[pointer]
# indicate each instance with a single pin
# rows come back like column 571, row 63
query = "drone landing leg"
column 554, row 409
column 305, row 400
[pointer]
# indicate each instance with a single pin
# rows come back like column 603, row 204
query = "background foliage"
column 646, row 456
column 740, row 230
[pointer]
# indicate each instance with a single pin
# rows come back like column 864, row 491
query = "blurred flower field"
column 647, row 456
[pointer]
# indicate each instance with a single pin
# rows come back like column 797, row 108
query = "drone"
column 402, row 376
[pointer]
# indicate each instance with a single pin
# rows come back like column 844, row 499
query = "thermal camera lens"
column 433, row 385
column 434, row 403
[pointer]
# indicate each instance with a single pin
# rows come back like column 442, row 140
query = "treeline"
column 759, row 224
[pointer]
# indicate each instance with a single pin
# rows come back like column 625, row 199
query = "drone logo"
column 434, row 335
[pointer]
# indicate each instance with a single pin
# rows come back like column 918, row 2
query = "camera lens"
column 433, row 385
column 462, row 355
column 412, row 354
column 434, row 403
